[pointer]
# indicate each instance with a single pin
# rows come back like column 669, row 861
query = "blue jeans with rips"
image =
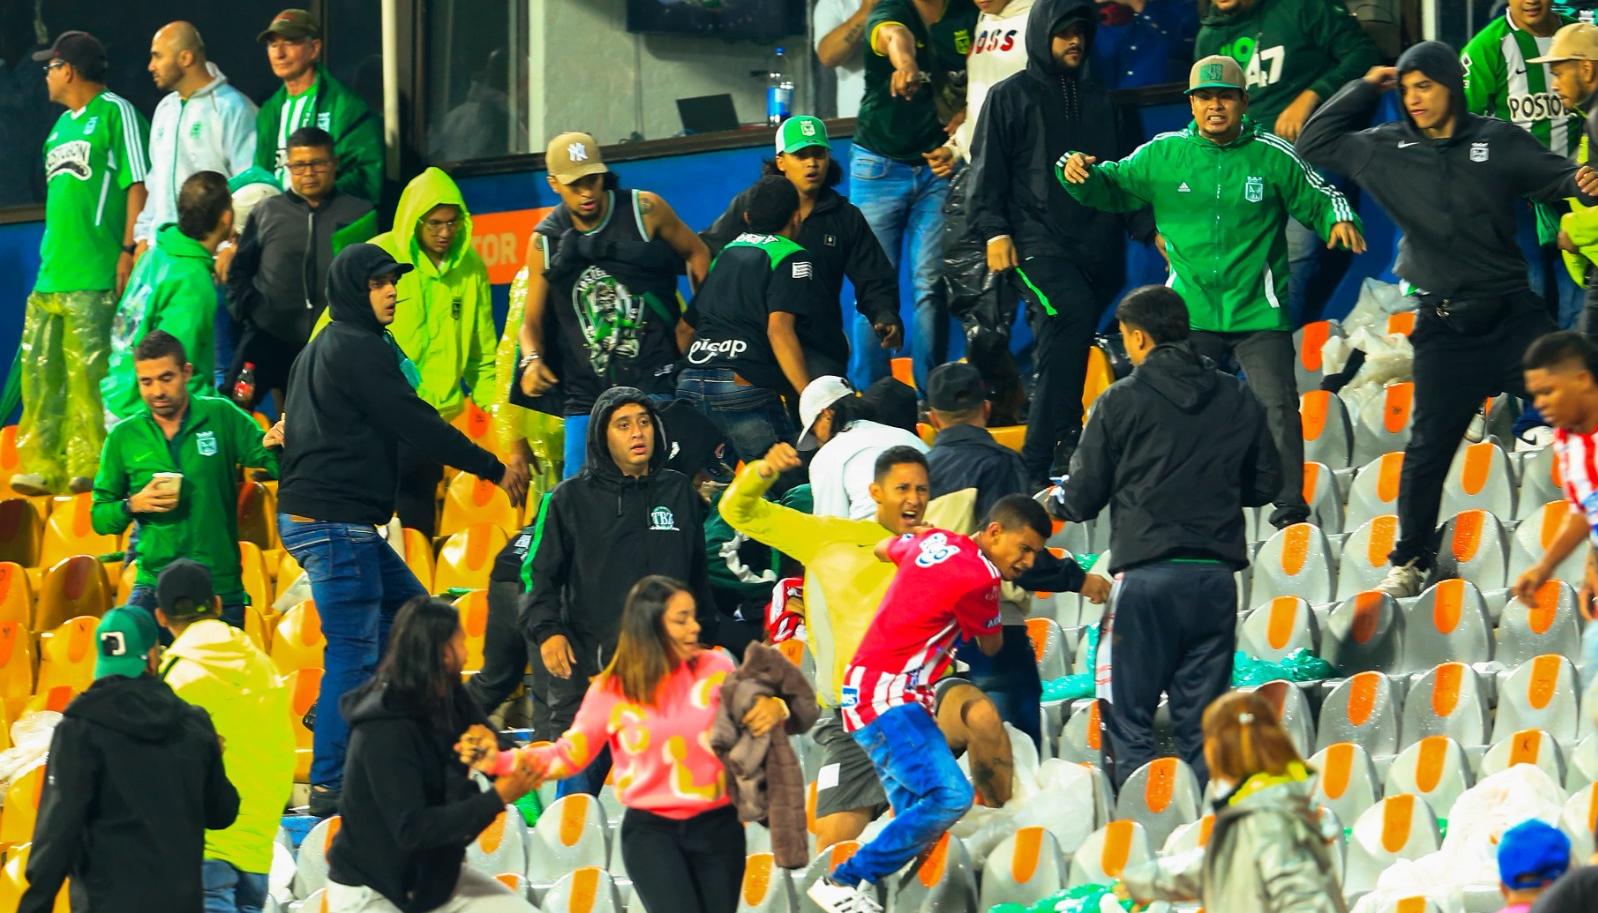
column 359, row 583
column 228, row 890
column 924, row 785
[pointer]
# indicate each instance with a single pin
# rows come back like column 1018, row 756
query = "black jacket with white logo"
column 1454, row 198
column 754, row 277
column 601, row 532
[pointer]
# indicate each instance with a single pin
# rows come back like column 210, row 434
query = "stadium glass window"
column 477, row 79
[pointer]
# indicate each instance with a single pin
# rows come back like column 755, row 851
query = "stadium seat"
column 1296, row 561
column 1401, row 323
column 1534, row 535
column 14, row 878
column 1345, row 780
column 257, row 583
column 1108, row 851
column 1579, row 820
column 1528, row 746
column 1384, row 423
column 1551, row 626
column 825, row 861
column 473, row 608
column 1195, row 835
column 1446, row 701
column 588, row 889
column 66, row 655
column 515, row 881
column 1581, row 767
column 1480, row 479
column 1362, row 634
column 502, row 846
column 257, row 514
column 1398, row 827
column 286, row 573
column 1279, row 628
column 298, row 642
column 1010, row 436
column 21, row 808
column 942, row 882
column 1023, row 869
column 570, row 833
column 467, row 557
column 766, row 887
column 1328, row 431
column 1363, row 710
column 469, row 501
column 1540, row 482
column 1435, row 769
column 76, row 585
column 1539, row 694
column 1161, row 795
column 1048, row 647
column 20, row 531
column 1080, row 742
column 1375, row 489
column 1308, row 341
column 1447, row 623
column 16, row 594
column 10, row 460
column 1324, row 497
column 1473, row 547
column 16, row 666
column 70, row 531
column 310, row 866
column 419, row 557
column 1100, row 375
column 1364, row 562
column 316, row 903
column 1293, row 710
column 305, row 685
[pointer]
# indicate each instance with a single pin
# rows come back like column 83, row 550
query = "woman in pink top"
column 654, row 705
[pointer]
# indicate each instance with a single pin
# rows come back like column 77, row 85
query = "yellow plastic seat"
column 470, row 500
column 54, row 699
column 288, row 571
column 20, row 531
column 21, row 808
column 14, row 880
column 257, row 585
column 305, row 685
column 66, row 655
column 473, row 608
column 419, row 557
column 257, row 514
column 75, row 586
column 16, row 666
column 298, row 642
column 1011, row 436
column 126, row 581
column 16, row 594
column 70, row 531
column 258, row 627
column 467, row 557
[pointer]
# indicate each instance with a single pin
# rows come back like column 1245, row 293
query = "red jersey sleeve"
column 977, row 612
column 904, row 548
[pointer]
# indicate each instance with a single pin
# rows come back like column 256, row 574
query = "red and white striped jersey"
column 1578, row 464
column 945, row 587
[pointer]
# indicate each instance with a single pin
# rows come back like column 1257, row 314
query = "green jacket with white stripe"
column 1223, row 212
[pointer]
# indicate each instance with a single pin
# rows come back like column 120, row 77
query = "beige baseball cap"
column 572, row 157
column 1216, row 71
column 1576, row 41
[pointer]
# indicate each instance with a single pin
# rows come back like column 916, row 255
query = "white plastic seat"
column 1364, row 562
column 587, row 889
column 1447, row 701
column 1550, row 627
column 1363, row 710
column 1528, row 746
column 1161, row 795
column 1080, row 742
column 1398, row 827
column 1385, row 422
column 1328, row 430
column 1048, row 648
column 1296, row 561
column 1278, row 628
column 1324, row 497
column 823, row 864
column 1023, row 869
column 1293, row 710
column 1473, row 547
column 1539, row 694
column 1375, row 489
column 1479, row 478
column 943, row 882
column 1579, row 820
column 1362, row 634
column 766, row 886
column 1434, row 768
column 569, row 835
column 1535, row 534
column 1108, row 851
column 502, row 846
column 310, row 866
column 1447, row 623
column 1540, row 482
column 1581, row 768
column 1345, row 780
column 1308, row 341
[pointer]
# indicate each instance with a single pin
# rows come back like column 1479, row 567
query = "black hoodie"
column 1177, row 450
column 409, row 807
column 601, row 531
column 349, row 405
column 135, row 779
column 1454, row 198
column 1028, row 121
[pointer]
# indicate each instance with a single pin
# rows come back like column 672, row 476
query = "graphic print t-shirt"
column 91, row 157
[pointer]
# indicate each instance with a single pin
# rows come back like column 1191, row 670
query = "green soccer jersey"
column 91, row 157
column 298, row 111
column 902, row 129
column 1499, row 83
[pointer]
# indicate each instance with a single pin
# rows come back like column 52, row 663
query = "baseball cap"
column 955, row 387
column 693, row 443
column 184, row 590
column 80, row 49
column 816, row 396
column 1576, row 41
column 124, row 639
column 1531, row 854
column 572, row 157
column 1216, row 71
column 801, row 132
column 293, row 25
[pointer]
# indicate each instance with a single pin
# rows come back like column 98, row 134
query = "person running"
column 681, row 840
column 94, row 171
column 1234, row 282
column 1439, row 169
column 746, row 351
column 946, row 588
column 840, row 244
column 410, row 808
column 602, row 303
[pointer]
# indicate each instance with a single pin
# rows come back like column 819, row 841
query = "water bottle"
column 244, row 387
column 779, row 89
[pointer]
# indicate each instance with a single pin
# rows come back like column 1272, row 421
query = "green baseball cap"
column 801, row 132
column 1216, row 71
column 124, row 639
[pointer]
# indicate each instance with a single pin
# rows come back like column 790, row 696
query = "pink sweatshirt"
column 661, row 757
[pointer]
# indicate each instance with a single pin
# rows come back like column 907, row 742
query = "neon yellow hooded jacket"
column 1581, row 225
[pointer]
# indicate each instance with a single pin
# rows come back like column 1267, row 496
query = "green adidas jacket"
column 357, row 135
column 1223, row 212
column 216, row 439
column 171, row 289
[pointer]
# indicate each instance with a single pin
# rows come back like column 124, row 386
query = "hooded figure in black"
column 1451, row 181
column 1069, row 259
column 597, row 534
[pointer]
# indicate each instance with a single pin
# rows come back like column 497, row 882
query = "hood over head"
column 429, row 189
column 347, row 300
column 1441, row 63
column 1179, row 374
column 224, row 651
column 1045, row 20
column 143, row 708
column 599, row 460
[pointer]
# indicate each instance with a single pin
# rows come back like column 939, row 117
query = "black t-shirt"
column 755, row 276
column 1577, row 892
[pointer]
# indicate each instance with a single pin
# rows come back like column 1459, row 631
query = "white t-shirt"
column 998, row 52
column 828, row 15
column 844, row 468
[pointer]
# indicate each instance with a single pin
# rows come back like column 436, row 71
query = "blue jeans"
column 359, row 583
column 751, row 418
column 1569, row 300
column 144, row 597
column 1010, row 679
column 228, row 890
column 903, row 204
column 924, row 785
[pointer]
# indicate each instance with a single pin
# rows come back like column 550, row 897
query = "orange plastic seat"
column 257, row 514
column 469, row 501
column 16, row 594
column 305, row 686
column 419, row 557
column 14, row 881
column 75, row 586
column 903, row 371
column 476, row 424
column 70, row 531
column 21, row 808
column 288, row 571
column 298, row 642
column 1100, row 375
column 473, row 608
column 258, row 627
column 16, row 666
column 926, row 433
column 467, row 557
column 1011, row 436
column 67, row 654
column 20, row 531
column 257, row 585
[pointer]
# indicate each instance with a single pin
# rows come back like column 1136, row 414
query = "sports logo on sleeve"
column 935, row 550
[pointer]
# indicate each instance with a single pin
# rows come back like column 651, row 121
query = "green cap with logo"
column 123, row 642
column 801, row 132
column 1216, row 71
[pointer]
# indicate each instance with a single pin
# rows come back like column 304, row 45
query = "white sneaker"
column 832, row 897
column 1533, row 439
column 30, row 485
column 1403, row 581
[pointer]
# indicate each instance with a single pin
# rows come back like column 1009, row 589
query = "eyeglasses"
column 304, row 167
column 440, row 226
column 54, row 65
